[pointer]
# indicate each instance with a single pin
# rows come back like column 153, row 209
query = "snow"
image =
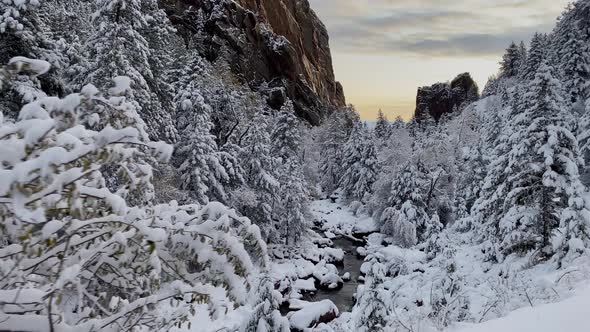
column 307, row 285
column 35, row 67
column 337, row 220
column 570, row 315
column 331, row 280
column 311, row 314
column 296, row 304
column 333, row 255
column 122, row 85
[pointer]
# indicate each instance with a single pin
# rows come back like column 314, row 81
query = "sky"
column 383, row 50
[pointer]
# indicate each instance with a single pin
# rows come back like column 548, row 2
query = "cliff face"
column 444, row 98
column 279, row 47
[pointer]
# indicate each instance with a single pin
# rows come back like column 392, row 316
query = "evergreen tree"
column 399, row 123
column 359, row 163
column 544, row 164
column 291, row 207
column 382, row 127
column 409, row 185
column 205, row 171
column 260, row 175
column 266, row 316
column 332, row 138
column 575, row 66
column 537, row 54
column 511, row 61
column 406, row 218
column 22, row 34
column 523, row 55
column 286, row 135
column 472, row 172
column 371, row 314
column 117, row 47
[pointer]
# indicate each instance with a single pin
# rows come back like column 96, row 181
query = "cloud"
column 434, row 27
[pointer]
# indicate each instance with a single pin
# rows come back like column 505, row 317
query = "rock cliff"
column 278, row 47
column 444, row 98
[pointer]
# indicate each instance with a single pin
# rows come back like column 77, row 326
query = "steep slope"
column 278, row 47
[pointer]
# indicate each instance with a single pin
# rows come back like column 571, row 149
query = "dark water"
column 343, row 298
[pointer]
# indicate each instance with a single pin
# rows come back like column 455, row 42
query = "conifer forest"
column 192, row 165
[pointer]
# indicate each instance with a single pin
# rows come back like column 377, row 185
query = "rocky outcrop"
column 444, row 98
column 278, row 47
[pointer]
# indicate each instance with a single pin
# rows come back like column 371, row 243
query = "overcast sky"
column 384, row 49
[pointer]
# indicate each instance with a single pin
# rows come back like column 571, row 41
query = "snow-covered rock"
column 361, row 251
column 346, row 276
column 331, row 281
column 306, row 285
column 313, row 314
column 296, row 304
column 332, row 255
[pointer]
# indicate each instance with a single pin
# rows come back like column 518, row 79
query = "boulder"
column 313, row 314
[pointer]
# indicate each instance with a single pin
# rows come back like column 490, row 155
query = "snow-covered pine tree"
column 117, row 47
column 166, row 49
column 574, row 63
column 266, row 317
column 523, row 55
column 583, row 131
column 406, row 218
column 290, row 210
column 544, row 168
column 21, row 33
column 489, row 208
column 359, row 164
column 204, row 170
column 410, row 184
column 261, row 178
column 399, row 123
column 371, row 314
column 286, row 135
column 291, row 206
column 382, row 127
column 333, row 136
column 536, row 56
column 471, row 175
column 511, row 61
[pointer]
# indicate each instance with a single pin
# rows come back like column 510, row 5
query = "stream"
column 344, row 297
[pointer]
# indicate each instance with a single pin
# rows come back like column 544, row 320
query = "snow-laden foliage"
column 332, row 139
column 359, row 164
column 292, row 204
column 205, row 170
column 261, row 178
column 372, row 313
column 382, row 127
column 77, row 256
column 118, row 46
